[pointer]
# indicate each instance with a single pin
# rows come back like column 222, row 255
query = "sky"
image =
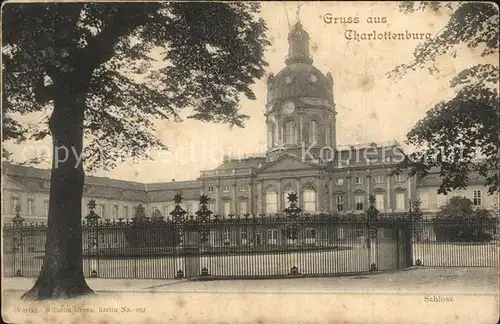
column 370, row 106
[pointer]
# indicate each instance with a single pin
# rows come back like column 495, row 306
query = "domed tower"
column 300, row 111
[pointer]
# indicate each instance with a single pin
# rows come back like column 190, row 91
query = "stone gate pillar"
column 18, row 242
column 91, row 237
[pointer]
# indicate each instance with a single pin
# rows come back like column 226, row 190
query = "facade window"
column 290, row 133
column 313, row 132
column 115, row 211
column 339, row 182
column 227, row 235
column 400, row 201
column 310, row 233
column 442, row 200
column 102, row 210
column 227, row 208
column 359, row 200
column 166, row 211
column 271, row 202
column 358, row 180
column 477, row 198
column 190, row 209
column 272, row 236
column 244, row 234
column 243, row 187
column 125, row 212
column 211, row 206
column 399, row 177
column 424, row 200
column 225, row 188
column 134, row 210
column 30, row 206
column 243, row 207
column 46, row 207
column 14, row 204
column 340, row 203
column 379, row 201
column 210, row 189
column 379, row 179
column 309, row 200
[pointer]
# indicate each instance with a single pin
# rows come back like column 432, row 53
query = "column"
column 330, row 197
column 280, row 198
column 234, row 204
column 297, row 182
column 301, row 130
column 410, row 198
column 319, row 195
column 369, row 182
column 349, row 194
column 280, row 129
column 261, row 196
column 251, row 199
column 217, row 199
column 389, row 193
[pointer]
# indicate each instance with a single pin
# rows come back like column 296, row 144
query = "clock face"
column 288, row 107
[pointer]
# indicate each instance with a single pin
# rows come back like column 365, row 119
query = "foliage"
column 458, row 221
column 128, row 64
column 460, row 136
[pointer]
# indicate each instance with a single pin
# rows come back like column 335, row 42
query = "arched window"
column 313, row 132
column 309, row 200
column 290, row 132
column 271, row 202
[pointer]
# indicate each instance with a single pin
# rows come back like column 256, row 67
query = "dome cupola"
column 299, row 78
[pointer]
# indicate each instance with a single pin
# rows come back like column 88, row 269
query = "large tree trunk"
column 62, row 272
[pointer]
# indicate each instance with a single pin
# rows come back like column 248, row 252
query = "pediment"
column 288, row 163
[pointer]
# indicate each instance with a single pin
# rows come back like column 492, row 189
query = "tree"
column 105, row 72
column 458, row 221
column 460, row 136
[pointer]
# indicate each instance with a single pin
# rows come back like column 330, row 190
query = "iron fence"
column 262, row 245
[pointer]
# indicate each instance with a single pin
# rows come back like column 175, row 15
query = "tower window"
column 290, row 133
column 313, row 132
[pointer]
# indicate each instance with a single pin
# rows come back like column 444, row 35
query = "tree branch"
column 44, row 93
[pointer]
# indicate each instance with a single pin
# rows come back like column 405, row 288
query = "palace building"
column 302, row 156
